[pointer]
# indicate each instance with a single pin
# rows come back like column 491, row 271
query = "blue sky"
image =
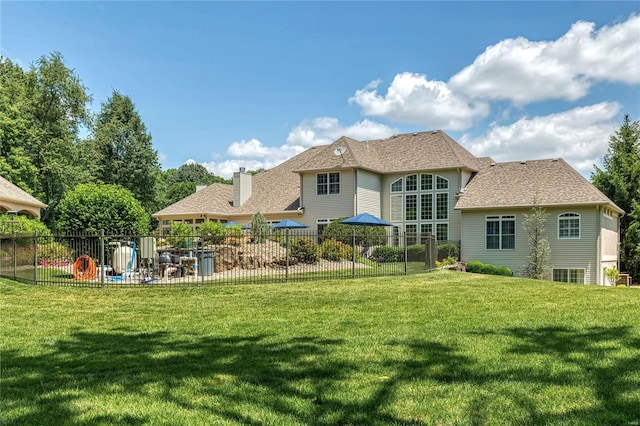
column 253, row 83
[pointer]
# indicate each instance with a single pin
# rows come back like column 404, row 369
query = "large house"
column 428, row 183
column 12, row 198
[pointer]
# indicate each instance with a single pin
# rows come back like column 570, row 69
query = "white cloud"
column 412, row 98
column 254, row 155
column 324, row 130
column 580, row 136
column 525, row 71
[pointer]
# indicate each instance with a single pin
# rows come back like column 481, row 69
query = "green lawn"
column 438, row 348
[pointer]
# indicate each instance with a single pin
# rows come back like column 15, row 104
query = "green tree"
column 259, row 228
column 95, row 207
column 15, row 164
column 124, row 154
column 620, row 181
column 56, row 110
column 537, row 266
column 181, row 182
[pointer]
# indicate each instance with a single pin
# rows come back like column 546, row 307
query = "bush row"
column 307, row 251
column 415, row 253
column 477, row 267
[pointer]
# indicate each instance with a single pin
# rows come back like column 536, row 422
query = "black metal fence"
column 98, row 260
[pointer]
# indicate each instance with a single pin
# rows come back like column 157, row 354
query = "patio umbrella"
column 288, row 224
column 363, row 219
column 366, row 219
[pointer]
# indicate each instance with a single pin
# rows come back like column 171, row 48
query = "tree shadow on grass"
column 268, row 379
column 604, row 360
column 232, row 372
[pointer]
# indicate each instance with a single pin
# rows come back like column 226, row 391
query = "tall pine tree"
column 620, row 181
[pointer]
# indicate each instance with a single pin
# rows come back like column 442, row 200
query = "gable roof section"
column 13, row 193
column 550, row 182
column 273, row 190
column 400, row 153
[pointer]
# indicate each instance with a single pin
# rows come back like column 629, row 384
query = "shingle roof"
column 273, row 190
column 11, row 192
column 519, row 184
column 399, row 153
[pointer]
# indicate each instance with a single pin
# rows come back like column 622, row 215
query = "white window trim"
column 578, row 216
column 418, row 183
column 391, row 190
column 329, row 184
column 501, row 218
column 435, row 183
column 435, row 230
column 435, row 201
column 608, row 213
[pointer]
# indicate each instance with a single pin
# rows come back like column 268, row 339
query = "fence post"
column 353, row 252
column 286, row 273
column 101, row 258
column 35, row 257
column 200, row 262
column 405, row 253
column 15, row 254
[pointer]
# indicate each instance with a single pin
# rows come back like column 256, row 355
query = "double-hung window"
column 501, row 232
column 569, row 226
column 328, row 183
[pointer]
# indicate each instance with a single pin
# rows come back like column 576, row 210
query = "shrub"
column 304, row 249
column 54, row 254
column 416, row 253
column 389, row 254
column 95, row 207
column 22, row 225
column 475, row 266
column 211, row 232
column 181, row 235
column 503, row 270
column 447, row 250
column 365, row 236
column 612, row 275
column 489, row 269
column 335, row 250
column 445, row 262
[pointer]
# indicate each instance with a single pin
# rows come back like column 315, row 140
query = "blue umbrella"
column 288, row 224
column 229, row 224
column 366, row 219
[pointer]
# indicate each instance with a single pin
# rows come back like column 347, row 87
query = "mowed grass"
column 439, row 348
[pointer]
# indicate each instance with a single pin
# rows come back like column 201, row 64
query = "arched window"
column 569, row 226
column 396, row 186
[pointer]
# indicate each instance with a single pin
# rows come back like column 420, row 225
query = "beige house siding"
column 609, row 235
column 579, row 253
column 473, row 243
column 330, row 206
column 565, row 253
column 368, row 193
